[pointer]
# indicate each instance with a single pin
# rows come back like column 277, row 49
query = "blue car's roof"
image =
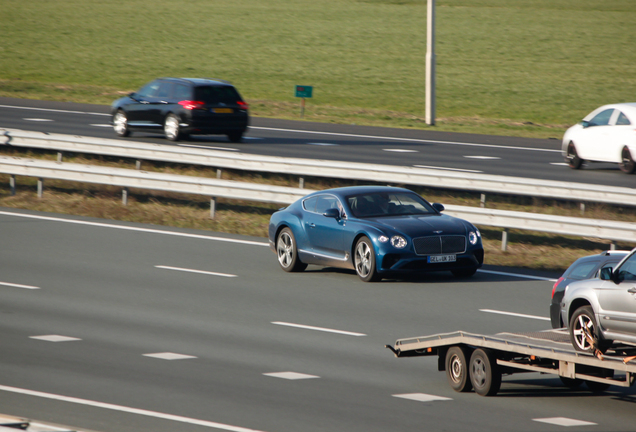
column 353, row 190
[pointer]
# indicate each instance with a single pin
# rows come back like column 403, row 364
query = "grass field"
column 508, row 67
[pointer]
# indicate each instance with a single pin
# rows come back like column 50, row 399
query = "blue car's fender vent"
column 436, row 245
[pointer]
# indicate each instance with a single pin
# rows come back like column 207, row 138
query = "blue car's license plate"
column 442, row 258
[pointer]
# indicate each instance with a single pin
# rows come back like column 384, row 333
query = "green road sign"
column 303, row 91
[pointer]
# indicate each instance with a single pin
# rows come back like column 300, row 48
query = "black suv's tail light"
column 192, row 105
column 243, row 105
column 555, row 285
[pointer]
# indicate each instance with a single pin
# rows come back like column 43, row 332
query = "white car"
column 607, row 134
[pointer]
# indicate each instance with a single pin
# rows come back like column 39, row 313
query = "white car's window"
column 622, row 120
column 602, row 118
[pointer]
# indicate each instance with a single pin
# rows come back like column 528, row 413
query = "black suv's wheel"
column 171, row 128
column 120, row 124
column 235, row 137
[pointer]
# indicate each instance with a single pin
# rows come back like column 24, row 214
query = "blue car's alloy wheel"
column 287, row 252
column 364, row 260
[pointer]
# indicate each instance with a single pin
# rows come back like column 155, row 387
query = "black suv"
column 181, row 107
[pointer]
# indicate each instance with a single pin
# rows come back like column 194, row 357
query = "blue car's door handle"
column 632, row 290
column 311, row 225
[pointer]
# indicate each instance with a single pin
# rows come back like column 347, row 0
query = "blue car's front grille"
column 436, row 245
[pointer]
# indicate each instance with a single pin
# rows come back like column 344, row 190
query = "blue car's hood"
column 419, row 225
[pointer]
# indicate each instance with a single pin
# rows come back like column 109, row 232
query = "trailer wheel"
column 485, row 375
column 571, row 383
column 597, row 387
column 457, row 368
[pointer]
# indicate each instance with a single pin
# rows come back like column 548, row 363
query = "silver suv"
column 599, row 312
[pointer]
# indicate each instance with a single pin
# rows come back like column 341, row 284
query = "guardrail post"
column 212, row 207
column 219, row 173
column 40, row 187
column 504, row 240
column 613, row 246
column 12, row 185
column 138, row 164
column 301, row 183
column 482, row 203
column 124, row 196
column 582, row 208
column 59, row 157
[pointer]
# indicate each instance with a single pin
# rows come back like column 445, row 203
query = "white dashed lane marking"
column 55, row 338
column 196, row 271
column 482, row 157
column 400, row 150
column 169, row 356
column 322, row 329
column 14, row 285
column 517, row 275
column 102, row 125
column 290, row 375
column 322, row 144
column 38, row 120
column 421, row 397
column 564, row 421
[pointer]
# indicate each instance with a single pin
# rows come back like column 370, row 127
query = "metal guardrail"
column 128, row 178
column 322, row 168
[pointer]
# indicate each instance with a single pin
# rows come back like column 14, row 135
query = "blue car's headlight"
column 398, row 242
column 473, row 236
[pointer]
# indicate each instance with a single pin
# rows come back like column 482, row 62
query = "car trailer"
column 479, row 361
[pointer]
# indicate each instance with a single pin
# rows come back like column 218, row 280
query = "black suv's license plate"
column 222, row 110
column 442, row 258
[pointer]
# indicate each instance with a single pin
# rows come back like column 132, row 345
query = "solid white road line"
column 407, row 139
column 19, row 286
column 130, row 228
column 195, row 271
column 447, row 169
column 327, row 133
column 125, row 409
column 514, row 314
column 207, row 147
column 517, row 275
column 306, row 327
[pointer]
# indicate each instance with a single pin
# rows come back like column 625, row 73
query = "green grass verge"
column 507, row 67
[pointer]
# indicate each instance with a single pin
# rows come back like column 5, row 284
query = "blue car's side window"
column 310, row 204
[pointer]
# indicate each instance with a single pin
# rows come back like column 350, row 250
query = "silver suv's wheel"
column 584, row 332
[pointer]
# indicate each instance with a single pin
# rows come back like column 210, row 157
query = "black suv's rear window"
column 216, row 94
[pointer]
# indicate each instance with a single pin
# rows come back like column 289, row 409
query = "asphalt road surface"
column 120, row 327
column 498, row 155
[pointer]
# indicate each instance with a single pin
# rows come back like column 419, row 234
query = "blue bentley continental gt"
column 378, row 231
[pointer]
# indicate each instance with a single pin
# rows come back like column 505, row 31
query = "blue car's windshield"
column 388, row 204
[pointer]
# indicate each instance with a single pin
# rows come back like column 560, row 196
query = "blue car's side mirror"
column 439, row 207
column 332, row 213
